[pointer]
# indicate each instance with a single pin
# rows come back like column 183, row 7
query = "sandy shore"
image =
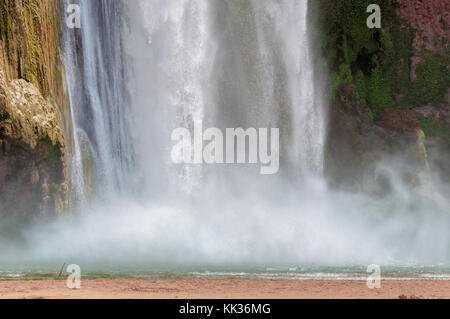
column 219, row 289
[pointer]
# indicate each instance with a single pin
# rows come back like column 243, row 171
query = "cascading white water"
column 147, row 67
column 282, row 33
column 225, row 64
column 96, row 74
column 192, row 64
column 71, row 63
column 179, row 39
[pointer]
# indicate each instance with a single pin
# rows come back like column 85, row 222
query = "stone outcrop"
column 34, row 112
column 431, row 22
column 417, row 138
column 357, row 143
column 33, row 173
column 32, row 117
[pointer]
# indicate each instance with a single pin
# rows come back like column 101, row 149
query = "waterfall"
column 97, row 76
column 72, row 71
column 283, row 33
column 139, row 69
column 223, row 64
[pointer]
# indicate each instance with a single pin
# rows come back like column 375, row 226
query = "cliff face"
column 33, row 111
column 431, row 23
column 390, row 91
column 430, row 20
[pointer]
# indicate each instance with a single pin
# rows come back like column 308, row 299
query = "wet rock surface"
column 33, row 176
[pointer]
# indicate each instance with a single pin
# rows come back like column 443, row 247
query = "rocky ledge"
column 33, row 174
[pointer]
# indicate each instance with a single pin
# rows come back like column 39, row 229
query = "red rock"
column 391, row 119
column 398, row 120
column 426, row 16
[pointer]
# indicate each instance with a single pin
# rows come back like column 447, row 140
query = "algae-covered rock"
column 33, row 118
column 34, row 112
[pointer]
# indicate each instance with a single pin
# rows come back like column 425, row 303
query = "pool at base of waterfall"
column 430, row 272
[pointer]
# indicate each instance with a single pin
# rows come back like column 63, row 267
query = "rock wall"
column 414, row 139
column 431, row 21
column 34, row 112
column 357, row 144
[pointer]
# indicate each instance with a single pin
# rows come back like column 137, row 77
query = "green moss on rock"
column 432, row 128
column 376, row 63
column 4, row 115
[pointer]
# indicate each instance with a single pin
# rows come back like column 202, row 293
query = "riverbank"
column 223, row 289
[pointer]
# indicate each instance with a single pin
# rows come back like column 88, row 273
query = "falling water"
column 97, row 73
column 75, row 157
column 283, row 38
column 139, row 69
column 217, row 63
column 224, row 64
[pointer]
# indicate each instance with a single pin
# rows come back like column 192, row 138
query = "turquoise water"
column 439, row 272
